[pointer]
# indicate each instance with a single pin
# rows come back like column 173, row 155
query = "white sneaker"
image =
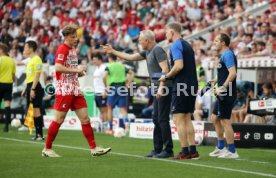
column 99, row 151
column 229, row 155
column 49, row 153
column 23, row 128
column 218, row 152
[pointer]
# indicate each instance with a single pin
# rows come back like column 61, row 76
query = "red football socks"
column 89, row 135
column 52, row 133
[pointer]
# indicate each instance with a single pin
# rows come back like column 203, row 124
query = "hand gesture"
column 108, row 49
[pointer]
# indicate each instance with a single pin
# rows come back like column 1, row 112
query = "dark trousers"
column 161, row 118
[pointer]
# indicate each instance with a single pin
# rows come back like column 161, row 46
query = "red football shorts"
column 64, row 103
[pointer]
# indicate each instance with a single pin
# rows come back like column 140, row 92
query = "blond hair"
column 175, row 26
column 69, row 30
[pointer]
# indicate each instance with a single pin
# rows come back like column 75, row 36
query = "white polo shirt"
column 98, row 79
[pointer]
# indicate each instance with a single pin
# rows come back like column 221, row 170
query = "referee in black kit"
column 7, row 76
column 34, row 90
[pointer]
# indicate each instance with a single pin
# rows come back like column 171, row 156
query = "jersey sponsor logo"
column 72, row 53
column 74, row 62
column 60, row 57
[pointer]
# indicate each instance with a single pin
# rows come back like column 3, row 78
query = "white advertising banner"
column 145, row 130
column 72, row 122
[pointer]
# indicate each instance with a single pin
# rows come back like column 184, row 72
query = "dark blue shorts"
column 117, row 97
column 183, row 103
column 223, row 109
column 100, row 101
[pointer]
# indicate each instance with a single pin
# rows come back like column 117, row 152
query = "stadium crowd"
column 120, row 22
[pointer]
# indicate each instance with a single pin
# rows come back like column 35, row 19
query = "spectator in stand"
column 50, row 57
column 53, row 19
column 242, row 112
column 202, row 106
column 38, row 11
column 271, row 44
column 133, row 31
column 15, row 54
column 48, row 99
column 5, row 37
column 83, row 49
column 274, row 87
column 263, row 30
column 193, row 11
column 123, row 40
column 267, row 94
column 239, row 104
column 13, row 30
column 262, row 50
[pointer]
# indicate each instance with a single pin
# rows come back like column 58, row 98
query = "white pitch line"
column 163, row 160
column 261, row 162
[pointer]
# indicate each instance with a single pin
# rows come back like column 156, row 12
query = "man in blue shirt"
column 227, row 72
column 185, row 85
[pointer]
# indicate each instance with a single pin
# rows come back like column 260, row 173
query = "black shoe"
column 6, row 129
column 164, row 154
column 38, row 138
column 153, row 153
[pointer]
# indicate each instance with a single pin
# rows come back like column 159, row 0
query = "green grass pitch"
column 20, row 157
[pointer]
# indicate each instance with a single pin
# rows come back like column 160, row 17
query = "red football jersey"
column 67, row 83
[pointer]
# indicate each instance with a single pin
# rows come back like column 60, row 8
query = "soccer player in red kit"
column 68, row 95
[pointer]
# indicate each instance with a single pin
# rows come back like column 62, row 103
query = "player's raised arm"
column 129, row 57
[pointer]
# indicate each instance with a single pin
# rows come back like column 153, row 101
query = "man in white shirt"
column 38, row 12
column 54, row 20
column 13, row 30
column 31, row 4
column 99, row 87
column 202, row 107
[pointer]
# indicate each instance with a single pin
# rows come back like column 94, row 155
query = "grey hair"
column 148, row 34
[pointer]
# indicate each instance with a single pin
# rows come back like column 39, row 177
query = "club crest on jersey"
column 219, row 66
column 64, row 106
column 60, row 57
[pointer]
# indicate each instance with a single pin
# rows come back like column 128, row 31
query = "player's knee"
column 225, row 123
column 213, row 118
column 59, row 119
column 85, row 120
